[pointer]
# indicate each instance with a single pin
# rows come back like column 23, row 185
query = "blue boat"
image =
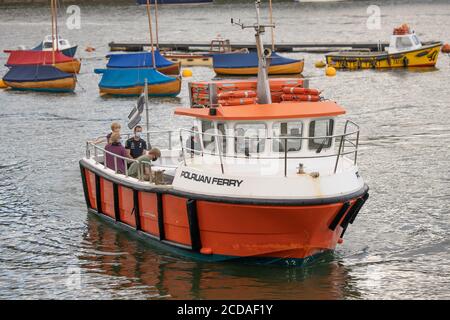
column 247, row 64
column 131, row 81
column 39, row 78
column 174, row 1
column 143, row 60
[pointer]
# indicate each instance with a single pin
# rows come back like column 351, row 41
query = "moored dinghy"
column 39, row 78
column 143, row 60
column 131, row 81
column 247, row 64
column 33, row 57
column 63, row 45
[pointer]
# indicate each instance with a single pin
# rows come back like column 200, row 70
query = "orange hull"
column 273, row 232
column 173, row 69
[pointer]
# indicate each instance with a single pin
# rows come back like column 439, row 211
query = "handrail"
column 344, row 138
column 117, row 157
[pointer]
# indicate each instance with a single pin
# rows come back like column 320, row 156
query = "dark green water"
column 397, row 248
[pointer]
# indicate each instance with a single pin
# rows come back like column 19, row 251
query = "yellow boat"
column 405, row 50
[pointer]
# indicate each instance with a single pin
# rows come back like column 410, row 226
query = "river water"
column 397, row 248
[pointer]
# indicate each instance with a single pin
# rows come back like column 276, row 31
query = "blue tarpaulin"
column 137, row 60
column 34, row 73
column 246, row 60
column 126, row 78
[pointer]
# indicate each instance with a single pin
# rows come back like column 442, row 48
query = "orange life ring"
column 446, row 48
column 302, row 91
column 237, row 94
column 299, row 97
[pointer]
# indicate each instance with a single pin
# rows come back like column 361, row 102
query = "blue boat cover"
column 34, row 73
column 246, row 60
column 127, row 78
column 137, row 60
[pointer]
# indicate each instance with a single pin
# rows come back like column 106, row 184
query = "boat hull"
column 173, row 69
column 289, row 68
column 167, row 89
column 59, row 85
column 73, row 66
column 426, row 56
column 191, row 60
column 219, row 229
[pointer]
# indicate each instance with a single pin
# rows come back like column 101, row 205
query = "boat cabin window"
column 403, row 42
column 47, row 45
column 416, row 40
column 291, row 129
column 208, row 135
column 320, row 128
column 249, row 138
column 222, row 130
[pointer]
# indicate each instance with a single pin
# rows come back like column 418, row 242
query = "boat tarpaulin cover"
column 246, row 60
column 137, row 60
column 30, row 57
column 34, row 74
column 126, row 78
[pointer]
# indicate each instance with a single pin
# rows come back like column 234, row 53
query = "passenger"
column 115, row 147
column 153, row 155
column 193, row 143
column 136, row 146
column 115, row 127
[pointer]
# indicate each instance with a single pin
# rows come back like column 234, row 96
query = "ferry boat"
column 405, row 50
column 252, row 180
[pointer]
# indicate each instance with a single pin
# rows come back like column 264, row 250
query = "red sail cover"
column 31, row 57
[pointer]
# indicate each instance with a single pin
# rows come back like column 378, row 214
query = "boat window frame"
column 277, row 137
column 402, row 47
column 312, row 145
column 264, row 139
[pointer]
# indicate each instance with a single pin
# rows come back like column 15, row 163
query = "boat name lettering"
column 211, row 180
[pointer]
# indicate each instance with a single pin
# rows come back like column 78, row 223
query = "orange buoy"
column 446, row 48
column 238, row 102
column 299, row 97
column 237, row 94
column 303, row 91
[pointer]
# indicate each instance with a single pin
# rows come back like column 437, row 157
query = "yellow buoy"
column 187, row 73
column 2, row 84
column 330, row 71
column 320, row 64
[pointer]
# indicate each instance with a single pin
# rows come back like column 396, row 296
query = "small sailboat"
column 247, row 64
column 131, row 81
column 405, row 50
column 63, row 45
column 41, row 70
column 143, row 60
column 32, row 57
column 39, row 78
column 152, row 59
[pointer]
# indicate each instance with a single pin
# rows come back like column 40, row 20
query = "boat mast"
column 156, row 22
column 151, row 32
column 271, row 22
column 263, row 88
column 56, row 24
column 53, row 31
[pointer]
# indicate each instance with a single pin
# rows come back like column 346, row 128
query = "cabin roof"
column 291, row 110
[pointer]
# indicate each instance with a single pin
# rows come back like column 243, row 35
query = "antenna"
column 263, row 88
